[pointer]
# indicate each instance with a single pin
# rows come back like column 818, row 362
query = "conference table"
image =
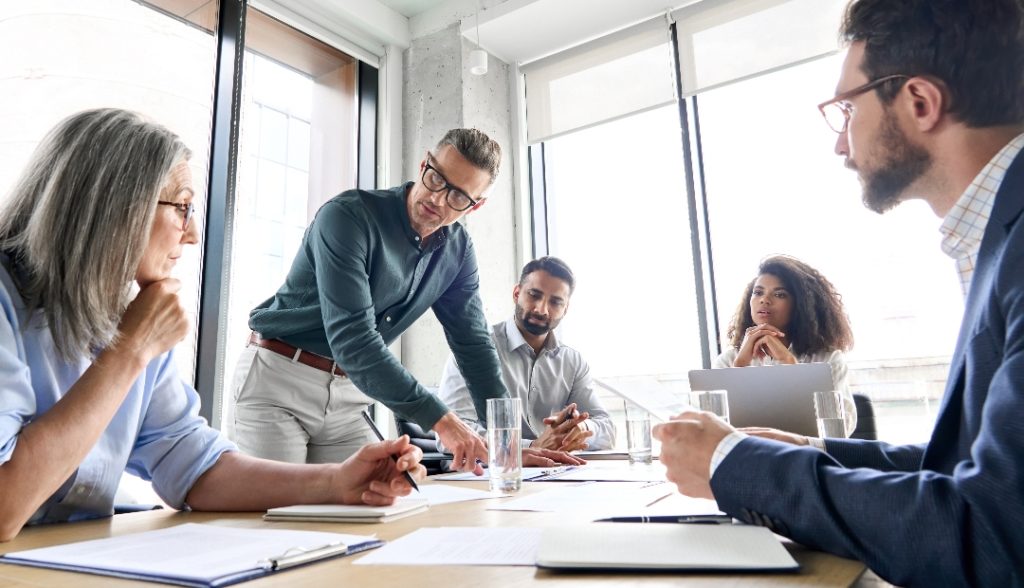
column 816, row 568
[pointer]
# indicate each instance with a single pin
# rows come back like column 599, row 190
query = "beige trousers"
column 289, row 411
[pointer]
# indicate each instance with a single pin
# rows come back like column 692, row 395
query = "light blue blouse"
column 157, row 433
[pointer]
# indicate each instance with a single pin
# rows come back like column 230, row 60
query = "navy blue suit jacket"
column 949, row 513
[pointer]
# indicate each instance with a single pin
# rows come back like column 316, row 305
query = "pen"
column 688, row 519
column 303, row 555
column 376, row 431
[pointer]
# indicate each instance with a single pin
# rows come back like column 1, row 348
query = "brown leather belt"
column 311, row 359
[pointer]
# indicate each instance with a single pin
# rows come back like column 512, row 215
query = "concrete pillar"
column 441, row 94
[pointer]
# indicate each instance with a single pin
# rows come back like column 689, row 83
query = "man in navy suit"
column 930, row 104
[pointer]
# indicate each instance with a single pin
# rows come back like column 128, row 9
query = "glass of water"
column 830, row 414
column 504, row 447
column 638, row 434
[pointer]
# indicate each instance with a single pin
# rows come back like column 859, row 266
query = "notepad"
column 191, row 554
column 345, row 513
column 661, row 546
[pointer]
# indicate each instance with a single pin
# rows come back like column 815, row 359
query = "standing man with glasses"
column 370, row 264
column 930, row 105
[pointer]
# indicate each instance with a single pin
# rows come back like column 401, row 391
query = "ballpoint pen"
column 686, row 519
column 376, row 431
column 300, row 555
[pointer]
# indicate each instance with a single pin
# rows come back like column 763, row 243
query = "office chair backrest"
column 433, row 460
column 865, row 418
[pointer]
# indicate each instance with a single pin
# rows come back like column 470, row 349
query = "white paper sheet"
column 612, row 472
column 594, row 499
column 460, row 546
column 528, row 474
column 447, row 494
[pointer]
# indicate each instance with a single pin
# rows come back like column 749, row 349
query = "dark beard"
column 905, row 163
column 534, row 328
column 531, row 328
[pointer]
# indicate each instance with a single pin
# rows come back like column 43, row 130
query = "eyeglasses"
column 435, row 182
column 186, row 208
column 838, row 110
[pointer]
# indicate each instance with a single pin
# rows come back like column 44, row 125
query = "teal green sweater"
column 360, row 279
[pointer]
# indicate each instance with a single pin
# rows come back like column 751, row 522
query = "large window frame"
column 703, row 252
column 211, row 324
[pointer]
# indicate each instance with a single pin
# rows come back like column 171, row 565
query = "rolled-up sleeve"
column 175, row 446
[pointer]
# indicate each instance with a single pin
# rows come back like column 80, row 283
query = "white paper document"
column 528, row 474
column 595, row 499
column 460, row 546
column 611, row 472
column 447, row 494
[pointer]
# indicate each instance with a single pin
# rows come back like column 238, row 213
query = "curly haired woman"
column 790, row 313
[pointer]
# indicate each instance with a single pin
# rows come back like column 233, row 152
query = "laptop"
column 776, row 396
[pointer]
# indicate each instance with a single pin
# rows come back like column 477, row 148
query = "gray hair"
column 79, row 218
column 479, row 149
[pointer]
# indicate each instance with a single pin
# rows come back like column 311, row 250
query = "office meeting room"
column 591, row 293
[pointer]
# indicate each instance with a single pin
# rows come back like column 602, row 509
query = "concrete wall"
column 440, row 94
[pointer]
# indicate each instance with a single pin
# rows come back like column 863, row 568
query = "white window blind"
column 724, row 41
column 621, row 74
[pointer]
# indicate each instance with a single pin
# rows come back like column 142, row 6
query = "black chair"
column 865, row 418
column 435, row 461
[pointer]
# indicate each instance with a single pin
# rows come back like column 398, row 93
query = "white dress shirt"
column 545, row 382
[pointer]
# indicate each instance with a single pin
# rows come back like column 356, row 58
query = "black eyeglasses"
column 435, row 182
column 838, row 110
column 186, row 208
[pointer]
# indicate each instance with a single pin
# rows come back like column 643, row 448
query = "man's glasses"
column 838, row 110
column 185, row 208
column 435, row 182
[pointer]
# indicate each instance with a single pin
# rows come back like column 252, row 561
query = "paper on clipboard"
column 649, row 394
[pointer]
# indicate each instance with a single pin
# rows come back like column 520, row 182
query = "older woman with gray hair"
column 88, row 383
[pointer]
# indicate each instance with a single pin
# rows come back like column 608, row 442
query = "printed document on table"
column 594, row 499
column 611, row 472
column 447, row 493
column 528, row 474
column 460, row 546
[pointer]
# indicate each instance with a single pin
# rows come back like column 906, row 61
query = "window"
column 617, row 214
column 80, row 55
column 64, row 57
column 298, row 149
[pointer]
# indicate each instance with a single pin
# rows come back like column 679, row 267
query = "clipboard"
column 195, row 555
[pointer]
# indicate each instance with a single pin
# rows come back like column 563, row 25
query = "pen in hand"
column 376, row 431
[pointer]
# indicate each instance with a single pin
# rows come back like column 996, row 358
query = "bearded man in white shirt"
column 560, row 407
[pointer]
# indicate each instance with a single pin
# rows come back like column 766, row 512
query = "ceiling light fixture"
column 478, row 57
